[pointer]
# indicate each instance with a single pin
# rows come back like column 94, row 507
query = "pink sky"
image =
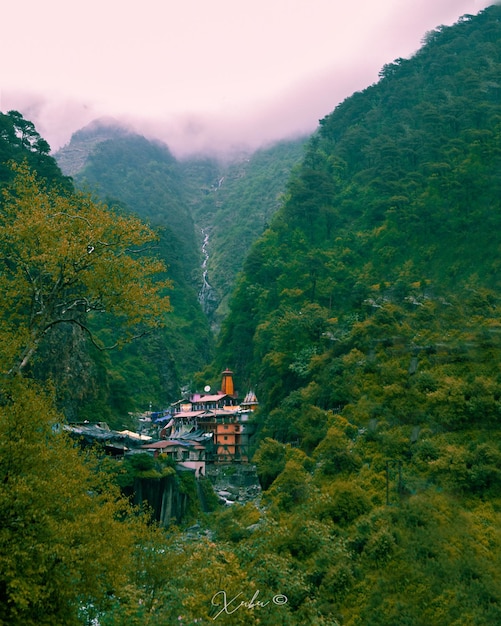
column 203, row 73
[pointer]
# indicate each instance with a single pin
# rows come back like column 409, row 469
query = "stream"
column 206, row 295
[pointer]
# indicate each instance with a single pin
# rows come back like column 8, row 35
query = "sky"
column 203, row 75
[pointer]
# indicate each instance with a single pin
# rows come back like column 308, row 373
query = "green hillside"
column 187, row 200
column 236, row 205
column 231, row 202
column 397, row 199
column 145, row 179
column 367, row 318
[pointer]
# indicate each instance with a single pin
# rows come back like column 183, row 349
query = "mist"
column 234, row 84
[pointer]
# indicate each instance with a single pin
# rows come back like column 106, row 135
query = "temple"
column 208, row 428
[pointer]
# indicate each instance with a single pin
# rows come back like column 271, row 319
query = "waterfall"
column 206, row 295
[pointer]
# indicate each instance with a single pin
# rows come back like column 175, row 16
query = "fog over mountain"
column 292, row 113
column 212, row 77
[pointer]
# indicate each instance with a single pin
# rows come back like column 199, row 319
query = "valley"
column 319, row 319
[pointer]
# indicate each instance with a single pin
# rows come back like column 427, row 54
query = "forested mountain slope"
column 235, row 207
column 72, row 157
column 89, row 384
column 368, row 320
column 227, row 204
column 69, row 268
column 143, row 178
column 396, row 203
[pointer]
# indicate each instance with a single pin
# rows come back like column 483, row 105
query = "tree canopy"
column 367, row 320
column 69, row 540
column 67, row 259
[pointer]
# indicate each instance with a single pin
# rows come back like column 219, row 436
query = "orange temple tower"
column 227, row 386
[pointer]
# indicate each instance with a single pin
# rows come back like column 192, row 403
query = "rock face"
column 73, row 157
column 231, row 483
column 164, row 498
column 235, row 483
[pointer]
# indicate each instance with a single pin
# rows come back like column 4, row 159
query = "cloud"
column 56, row 118
column 292, row 112
column 204, row 76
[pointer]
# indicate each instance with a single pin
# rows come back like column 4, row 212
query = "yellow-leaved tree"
column 68, row 538
column 64, row 258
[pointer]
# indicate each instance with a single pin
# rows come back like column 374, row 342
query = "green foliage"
column 210, row 500
column 20, row 141
column 369, row 313
column 182, row 583
column 342, row 502
column 144, row 179
column 143, row 465
column 270, row 459
column 334, row 455
column 66, row 260
column 240, row 199
column 67, row 537
column 236, row 523
column 404, row 231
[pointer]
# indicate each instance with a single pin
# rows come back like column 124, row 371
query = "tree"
column 67, row 536
column 65, row 259
column 270, row 460
column 20, row 141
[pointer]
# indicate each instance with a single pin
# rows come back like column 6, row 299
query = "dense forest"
column 70, row 268
column 187, row 201
column 365, row 316
column 236, row 209
column 230, row 201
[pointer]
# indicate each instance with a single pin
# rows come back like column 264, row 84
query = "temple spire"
column 227, row 384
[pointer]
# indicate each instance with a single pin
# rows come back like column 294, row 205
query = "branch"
column 96, row 305
column 73, row 217
column 92, row 337
column 32, row 348
column 140, row 250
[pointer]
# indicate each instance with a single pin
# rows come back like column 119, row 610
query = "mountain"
column 209, row 213
column 72, row 157
column 237, row 200
column 367, row 319
column 140, row 176
column 399, row 191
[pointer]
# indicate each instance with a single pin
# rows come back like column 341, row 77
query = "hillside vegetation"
column 234, row 206
column 367, row 318
column 144, row 179
column 69, row 267
column 186, row 201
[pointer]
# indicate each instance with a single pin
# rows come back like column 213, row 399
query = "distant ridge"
column 73, row 157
